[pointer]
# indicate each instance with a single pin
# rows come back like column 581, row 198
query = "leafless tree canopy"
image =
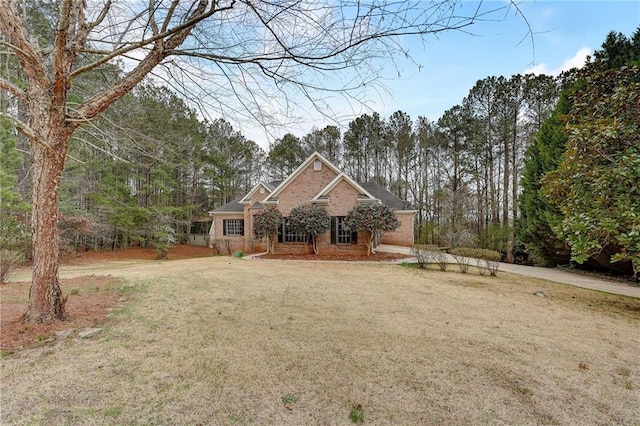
column 253, row 59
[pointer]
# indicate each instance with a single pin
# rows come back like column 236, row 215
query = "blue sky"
column 564, row 33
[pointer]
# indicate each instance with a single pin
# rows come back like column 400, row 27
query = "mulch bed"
column 89, row 308
column 350, row 257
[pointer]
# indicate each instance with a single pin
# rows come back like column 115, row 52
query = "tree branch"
column 26, row 130
column 14, row 29
column 14, row 90
column 188, row 25
column 102, row 100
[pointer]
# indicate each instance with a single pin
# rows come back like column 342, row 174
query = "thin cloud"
column 576, row 61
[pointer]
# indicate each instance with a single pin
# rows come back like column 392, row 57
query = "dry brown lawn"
column 227, row 341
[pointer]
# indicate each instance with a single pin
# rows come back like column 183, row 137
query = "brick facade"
column 315, row 175
column 304, row 188
column 403, row 236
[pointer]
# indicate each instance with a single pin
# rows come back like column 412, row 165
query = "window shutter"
column 281, row 232
column 354, row 237
column 224, row 227
column 334, row 229
column 242, row 227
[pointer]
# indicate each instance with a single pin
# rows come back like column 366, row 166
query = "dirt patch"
column 350, row 257
column 90, row 300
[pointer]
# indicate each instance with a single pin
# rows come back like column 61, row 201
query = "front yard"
column 221, row 340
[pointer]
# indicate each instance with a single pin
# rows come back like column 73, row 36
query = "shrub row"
column 486, row 260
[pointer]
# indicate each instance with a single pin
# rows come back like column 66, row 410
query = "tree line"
column 150, row 165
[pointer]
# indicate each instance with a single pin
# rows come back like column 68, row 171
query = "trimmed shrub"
column 266, row 224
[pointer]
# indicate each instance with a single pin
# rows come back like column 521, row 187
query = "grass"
column 214, row 341
column 113, row 412
column 289, row 399
column 356, row 415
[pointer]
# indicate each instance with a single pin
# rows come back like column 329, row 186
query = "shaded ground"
column 90, row 298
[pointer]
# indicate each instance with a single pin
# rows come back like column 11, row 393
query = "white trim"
column 223, row 213
column 336, row 181
column 302, row 167
column 406, row 211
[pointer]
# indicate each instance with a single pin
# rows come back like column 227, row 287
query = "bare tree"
column 250, row 57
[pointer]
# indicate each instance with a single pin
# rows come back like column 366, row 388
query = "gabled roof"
column 387, row 198
column 272, row 198
column 363, row 194
column 247, row 198
column 231, row 207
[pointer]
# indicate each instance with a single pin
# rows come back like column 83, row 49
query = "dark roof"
column 387, row 198
column 231, row 207
column 257, row 206
column 273, row 184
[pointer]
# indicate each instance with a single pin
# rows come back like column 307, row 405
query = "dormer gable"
column 363, row 195
column 315, row 160
column 260, row 191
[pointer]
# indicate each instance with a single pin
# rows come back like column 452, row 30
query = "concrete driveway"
column 551, row 274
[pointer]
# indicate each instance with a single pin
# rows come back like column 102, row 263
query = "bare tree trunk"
column 46, row 303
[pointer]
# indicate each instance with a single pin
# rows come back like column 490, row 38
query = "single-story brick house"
column 319, row 181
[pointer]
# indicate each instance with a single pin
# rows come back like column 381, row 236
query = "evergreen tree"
column 13, row 208
column 596, row 184
column 372, row 219
column 538, row 216
column 310, row 219
column 265, row 225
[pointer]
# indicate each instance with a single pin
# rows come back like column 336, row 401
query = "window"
column 286, row 234
column 233, row 227
column 341, row 235
column 317, row 165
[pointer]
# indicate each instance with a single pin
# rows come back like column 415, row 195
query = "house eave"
column 300, row 169
column 363, row 194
